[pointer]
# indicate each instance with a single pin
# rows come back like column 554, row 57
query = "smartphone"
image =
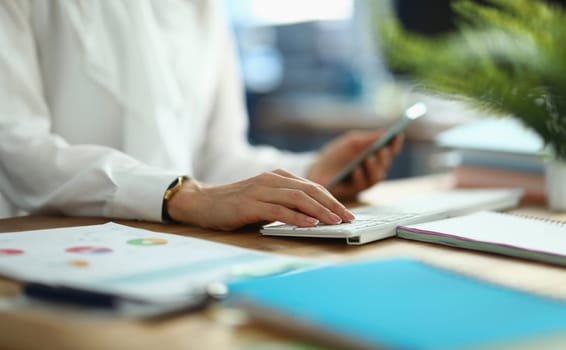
column 414, row 112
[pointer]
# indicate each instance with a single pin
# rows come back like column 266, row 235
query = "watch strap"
column 173, row 188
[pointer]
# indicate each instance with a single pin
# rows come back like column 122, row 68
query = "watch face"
column 171, row 190
column 174, row 187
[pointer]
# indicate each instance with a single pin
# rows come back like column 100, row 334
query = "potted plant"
column 508, row 57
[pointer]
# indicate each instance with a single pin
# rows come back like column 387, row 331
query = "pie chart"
column 78, row 263
column 88, row 250
column 147, row 241
column 8, row 252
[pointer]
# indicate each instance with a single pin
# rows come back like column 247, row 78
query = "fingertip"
column 305, row 221
column 358, row 179
column 370, row 161
column 335, row 219
column 357, row 174
column 384, row 157
column 310, row 221
column 348, row 216
column 385, row 153
column 398, row 143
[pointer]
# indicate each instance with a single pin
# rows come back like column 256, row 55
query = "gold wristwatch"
column 173, row 188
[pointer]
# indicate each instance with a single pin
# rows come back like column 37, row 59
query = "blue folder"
column 401, row 304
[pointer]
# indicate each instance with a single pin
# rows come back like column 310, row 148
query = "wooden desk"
column 213, row 328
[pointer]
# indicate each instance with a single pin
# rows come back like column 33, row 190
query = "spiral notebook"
column 518, row 236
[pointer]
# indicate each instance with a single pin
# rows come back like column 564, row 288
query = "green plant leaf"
column 507, row 57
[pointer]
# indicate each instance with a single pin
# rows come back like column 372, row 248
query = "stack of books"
column 496, row 153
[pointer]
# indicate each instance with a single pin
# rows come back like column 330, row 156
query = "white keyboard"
column 357, row 225
column 367, row 227
column 379, row 222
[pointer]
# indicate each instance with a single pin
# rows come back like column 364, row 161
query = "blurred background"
column 313, row 69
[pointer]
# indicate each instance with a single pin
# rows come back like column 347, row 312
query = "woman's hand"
column 341, row 151
column 272, row 196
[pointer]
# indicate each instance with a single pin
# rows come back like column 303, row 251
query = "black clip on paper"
column 119, row 304
column 69, row 295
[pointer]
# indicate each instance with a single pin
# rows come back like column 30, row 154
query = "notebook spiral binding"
column 538, row 218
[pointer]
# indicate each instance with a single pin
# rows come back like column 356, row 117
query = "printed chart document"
column 508, row 234
column 129, row 263
column 401, row 304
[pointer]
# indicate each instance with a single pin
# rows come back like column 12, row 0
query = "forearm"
column 271, row 196
column 42, row 173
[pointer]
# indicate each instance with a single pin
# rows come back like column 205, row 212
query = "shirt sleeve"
column 226, row 154
column 42, row 173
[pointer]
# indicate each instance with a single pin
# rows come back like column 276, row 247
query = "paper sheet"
column 126, row 261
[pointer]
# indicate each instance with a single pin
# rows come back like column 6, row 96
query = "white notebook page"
column 501, row 229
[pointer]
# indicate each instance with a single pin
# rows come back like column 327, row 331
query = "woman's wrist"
column 181, row 206
column 172, row 189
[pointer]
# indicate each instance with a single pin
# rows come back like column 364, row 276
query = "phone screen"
column 415, row 111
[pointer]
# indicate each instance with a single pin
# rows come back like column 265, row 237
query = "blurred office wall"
column 305, row 55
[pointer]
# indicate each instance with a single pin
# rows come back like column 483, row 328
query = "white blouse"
column 104, row 103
